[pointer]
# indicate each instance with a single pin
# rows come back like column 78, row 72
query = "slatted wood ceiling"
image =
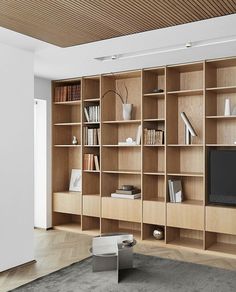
column 73, row 22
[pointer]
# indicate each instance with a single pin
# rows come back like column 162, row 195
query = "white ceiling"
column 211, row 38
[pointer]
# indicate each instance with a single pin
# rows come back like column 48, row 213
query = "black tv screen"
column 222, row 177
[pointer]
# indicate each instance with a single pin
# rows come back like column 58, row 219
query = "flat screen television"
column 222, row 177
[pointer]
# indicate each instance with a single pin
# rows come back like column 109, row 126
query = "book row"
column 153, row 137
column 91, row 162
column 91, row 136
column 92, row 113
column 67, row 93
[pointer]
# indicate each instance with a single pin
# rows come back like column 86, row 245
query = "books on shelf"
column 67, row 93
column 91, row 162
column 127, row 194
column 175, row 191
column 91, row 136
column 153, row 137
column 92, row 113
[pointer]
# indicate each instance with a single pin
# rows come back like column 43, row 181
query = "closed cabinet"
column 221, row 220
column 91, row 205
column 68, row 202
column 121, row 209
column 154, row 212
column 185, row 216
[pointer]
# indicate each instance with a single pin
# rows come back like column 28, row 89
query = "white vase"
column 127, row 111
column 227, row 107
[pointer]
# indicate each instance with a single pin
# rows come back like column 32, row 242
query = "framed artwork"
column 76, row 180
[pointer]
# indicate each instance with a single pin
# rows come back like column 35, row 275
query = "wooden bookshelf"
column 198, row 89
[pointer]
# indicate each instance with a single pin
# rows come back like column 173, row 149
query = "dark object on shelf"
column 127, row 187
column 157, row 90
column 221, row 177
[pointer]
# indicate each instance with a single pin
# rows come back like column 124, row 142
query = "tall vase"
column 127, row 111
column 227, row 107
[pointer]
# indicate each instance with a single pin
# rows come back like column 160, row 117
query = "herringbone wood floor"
column 56, row 249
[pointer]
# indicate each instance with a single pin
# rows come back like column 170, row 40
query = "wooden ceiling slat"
column 71, row 22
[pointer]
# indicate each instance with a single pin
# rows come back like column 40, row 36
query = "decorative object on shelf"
column 128, row 142
column 76, row 180
column 127, row 107
column 175, row 191
column 138, row 135
column 127, row 187
column 74, row 140
column 157, row 90
column 189, row 131
column 127, row 111
column 158, row 233
column 227, row 107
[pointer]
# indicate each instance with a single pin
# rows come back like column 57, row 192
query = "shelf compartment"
column 73, row 225
column 193, row 108
column 185, row 160
column 154, row 187
column 120, row 132
column 153, row 79
column 184, row 237
column 220, row 131
column 193, row 189
column 91, row 225
column 121, row 209
column 220, row 242
column 185, row 77
column 88, row 187
column 120, row 226
column 148, row 233
column 91, row 205
column 122, row 159
column 112, row 106
column 221, row 74
column 185, row 216
column 64, row 160
column 67, row 202
column 113, row 181
column 67, row 114
column 154, row 108
column 91, row 88
column 154, row 159
column 220, row 219
column 154, row 212
column 64, row 135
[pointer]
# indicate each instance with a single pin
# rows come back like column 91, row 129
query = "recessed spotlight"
column 188, row 45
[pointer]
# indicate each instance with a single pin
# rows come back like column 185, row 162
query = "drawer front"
column 91, row 205
column 121, row 209
column 185, row 216
column 154, row 212
column 67, row 203
column 221, row 220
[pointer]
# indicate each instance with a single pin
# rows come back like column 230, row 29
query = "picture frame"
column 76, row 180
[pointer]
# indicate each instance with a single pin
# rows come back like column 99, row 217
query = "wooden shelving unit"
column 198, row 89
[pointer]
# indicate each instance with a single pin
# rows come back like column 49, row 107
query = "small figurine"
column 74, row 141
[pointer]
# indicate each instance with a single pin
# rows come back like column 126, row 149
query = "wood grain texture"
column 68, row 23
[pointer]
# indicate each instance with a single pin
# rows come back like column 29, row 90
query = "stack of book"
column 153, row 137
column 92, row 113
column 175, row 191
column 91, row 136
column 91, row 162
column 67, row 93
column 129, row 194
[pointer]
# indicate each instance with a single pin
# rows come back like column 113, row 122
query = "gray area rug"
column 149, row 274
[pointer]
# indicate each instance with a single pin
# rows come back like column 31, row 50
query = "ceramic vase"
column 127, row 111
column 227, row 107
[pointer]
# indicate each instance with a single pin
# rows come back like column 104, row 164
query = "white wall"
column 42, row 90
column 16, row 157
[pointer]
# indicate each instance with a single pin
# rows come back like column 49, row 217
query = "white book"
column 177, row 190
column 86, row 113
column 123, row 196
column 171, row 194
